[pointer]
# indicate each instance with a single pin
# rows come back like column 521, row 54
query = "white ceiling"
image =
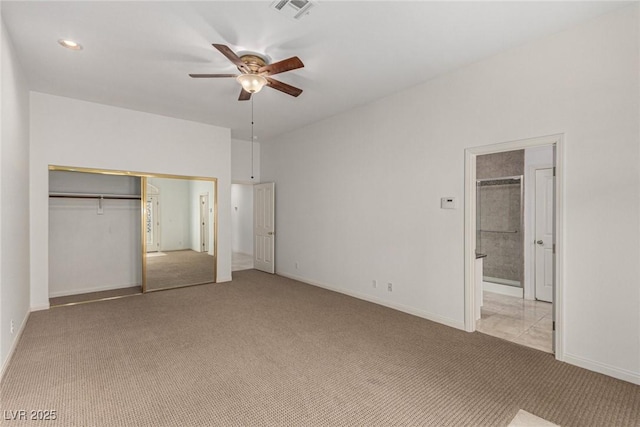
column 137, row 54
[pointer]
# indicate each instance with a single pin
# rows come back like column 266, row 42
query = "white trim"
column 400, row 307
column 224, row 279
column 470, row 281
column 498, row 288
column 88, row 290
column 603, row 368
column 14, row 345
column 499, row 281
column 40, row 307
column 470, row 228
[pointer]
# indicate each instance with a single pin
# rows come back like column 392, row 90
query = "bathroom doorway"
column 501, row 217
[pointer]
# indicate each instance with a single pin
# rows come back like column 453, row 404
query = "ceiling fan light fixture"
column 252, row 83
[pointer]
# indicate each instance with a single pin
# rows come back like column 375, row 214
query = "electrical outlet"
column 375, row 283
column 13, row 326
column 390, row 287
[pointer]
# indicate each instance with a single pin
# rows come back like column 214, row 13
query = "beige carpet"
column 179, row 268
column 264, row 350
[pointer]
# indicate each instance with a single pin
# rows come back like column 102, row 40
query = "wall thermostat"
column 448, row 203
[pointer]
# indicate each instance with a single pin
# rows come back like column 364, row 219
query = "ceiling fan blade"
column 244, row 95
column 283, row 87
column 281, row 66
column 210, row 76
column 231, row 56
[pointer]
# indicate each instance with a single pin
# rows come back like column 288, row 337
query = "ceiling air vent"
column 294, row 9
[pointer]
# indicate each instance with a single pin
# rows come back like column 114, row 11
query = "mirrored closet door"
column 179, row 232
column 118, row 233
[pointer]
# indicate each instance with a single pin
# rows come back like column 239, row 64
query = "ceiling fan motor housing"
column 254, row 62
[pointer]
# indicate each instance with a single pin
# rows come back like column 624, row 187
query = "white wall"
column 536, row 157
column 175, row 213
column 14, row 198
column 242, row 218
column 241, row 162
column 71, row 132
column 358, row 194
column 90, row 250
column 242, row 193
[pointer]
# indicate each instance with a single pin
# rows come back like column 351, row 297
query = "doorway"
column 241, row 226
column 516, row 294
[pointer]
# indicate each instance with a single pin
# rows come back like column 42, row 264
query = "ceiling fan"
column 256, row 72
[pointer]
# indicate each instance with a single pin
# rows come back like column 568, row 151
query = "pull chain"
column 252, row 137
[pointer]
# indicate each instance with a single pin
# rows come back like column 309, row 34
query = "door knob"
column 540, row 242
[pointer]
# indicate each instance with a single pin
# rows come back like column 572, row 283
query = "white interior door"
column 264, row 227
column 152, row 224
column 544, row 239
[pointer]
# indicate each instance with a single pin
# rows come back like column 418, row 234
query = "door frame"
column 204, row 237
column 470, row 229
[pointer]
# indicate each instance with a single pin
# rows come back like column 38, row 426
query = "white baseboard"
column 500, row 281
column 242, row 253
column 223, row 279
column 14, row 344
column 40, row 307
column 400, row 307
column 497, row 288
column 603, row 368
column 91, row 289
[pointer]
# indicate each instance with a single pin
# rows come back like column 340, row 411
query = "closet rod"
column 95, row 196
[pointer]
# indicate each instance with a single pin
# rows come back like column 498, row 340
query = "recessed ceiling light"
column 70, row 44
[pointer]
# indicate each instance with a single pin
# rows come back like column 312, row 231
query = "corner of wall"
column 14, row 197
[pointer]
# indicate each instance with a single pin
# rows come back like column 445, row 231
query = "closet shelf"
column 95, row 196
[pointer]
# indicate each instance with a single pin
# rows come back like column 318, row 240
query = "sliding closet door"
column 180, row 221
column 94, row 232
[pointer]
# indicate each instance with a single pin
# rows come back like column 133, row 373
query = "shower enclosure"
column 499, row 204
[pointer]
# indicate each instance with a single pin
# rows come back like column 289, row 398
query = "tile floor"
column 240, row 261
column 518, row 320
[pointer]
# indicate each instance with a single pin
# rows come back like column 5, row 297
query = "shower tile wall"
column 509, row 163
column 499, row 208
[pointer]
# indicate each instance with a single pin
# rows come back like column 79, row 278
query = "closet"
column 94, row 233
column 116, row 233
